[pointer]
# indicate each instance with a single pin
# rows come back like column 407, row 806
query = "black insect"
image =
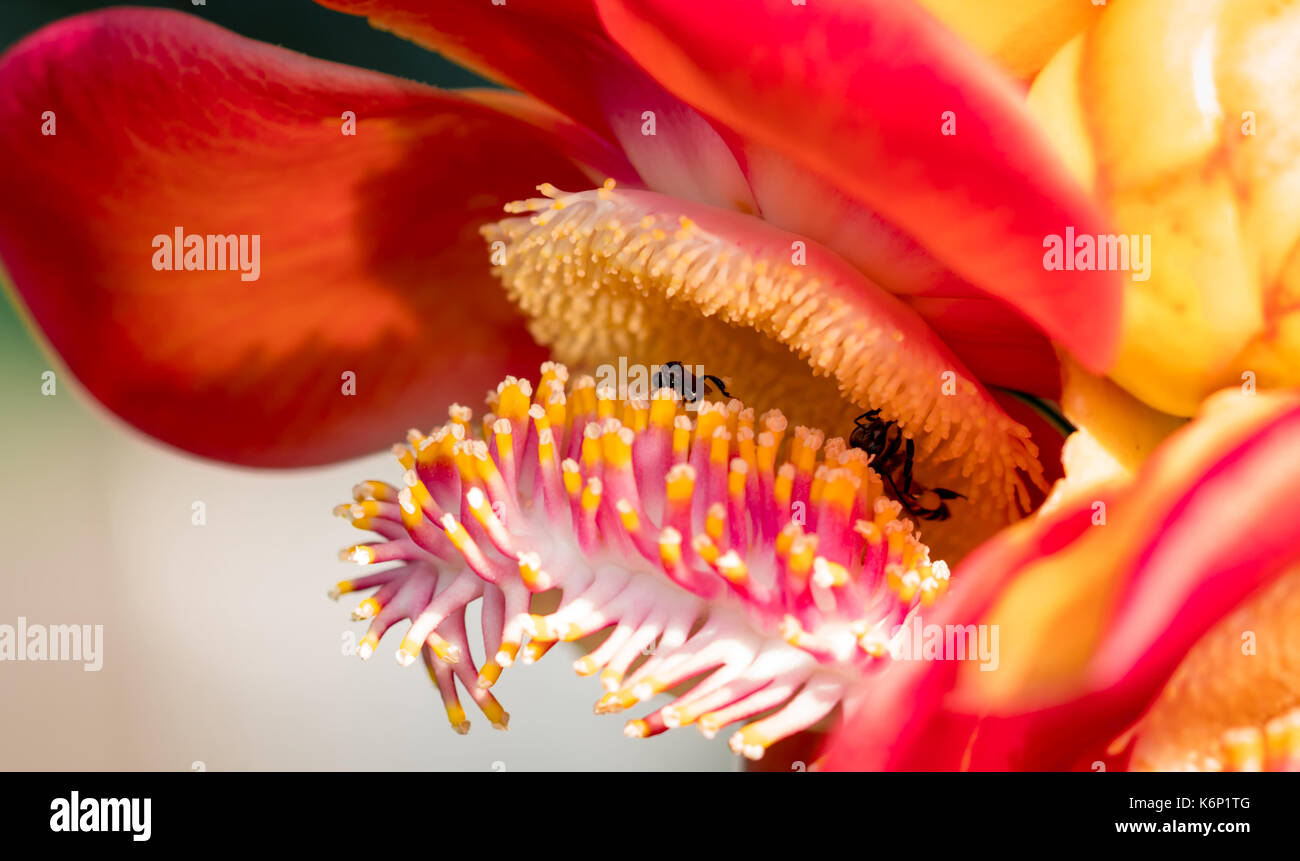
column 892, row 457
column 675, row 376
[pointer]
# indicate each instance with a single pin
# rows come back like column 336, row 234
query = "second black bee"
column 892, row 457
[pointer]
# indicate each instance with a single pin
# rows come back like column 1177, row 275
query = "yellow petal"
column 1020, row 35
column 1116, row 432
column 1183, row 119
column 1124, row 426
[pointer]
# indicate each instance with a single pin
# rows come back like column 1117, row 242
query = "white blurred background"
column 220, row 644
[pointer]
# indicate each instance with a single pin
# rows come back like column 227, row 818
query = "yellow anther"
column 617, row 446
column 362, row 554
column 708, row 420
column 670, row 548
column 460, row 538
column 488, row 676
column 530, row 570
column 572, row 477
column 707, row 550
column 606, row 401
column 374, row 490
column 784, row 487
column 828, row 574
column 681, row 437
column 591, row 494
column 750, row 741
column 412, row 514
column 419, row 493
column 445, row 651
column 591, row 448
column 736, row 479
column 496, row 715
column 367, row 609
column 715, row 521
column 731, row 566
column 627, row 514
column 680, row 484
column 802, row 552
column 456, row 715
column 514, row 398
column 663, row 409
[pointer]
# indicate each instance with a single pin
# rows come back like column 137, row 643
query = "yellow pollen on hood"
column 606, row 274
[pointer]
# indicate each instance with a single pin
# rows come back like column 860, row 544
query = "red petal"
column 858, row 93
column 557, row 51
column 1207, row 522
column 999, row 346
column 1213, row 547
column 371, row 262
column 547, row 48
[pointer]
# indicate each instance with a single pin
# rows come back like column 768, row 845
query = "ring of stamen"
column 760, row 566
column 625, row 273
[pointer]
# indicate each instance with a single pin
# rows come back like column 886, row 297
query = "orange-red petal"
column 859, row 93
column 541, row 47
column 370, row 260
column 557, row 51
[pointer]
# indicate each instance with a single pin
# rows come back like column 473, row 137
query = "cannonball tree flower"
column 1195, row 145
column 1148, row 623
column 851, row 221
